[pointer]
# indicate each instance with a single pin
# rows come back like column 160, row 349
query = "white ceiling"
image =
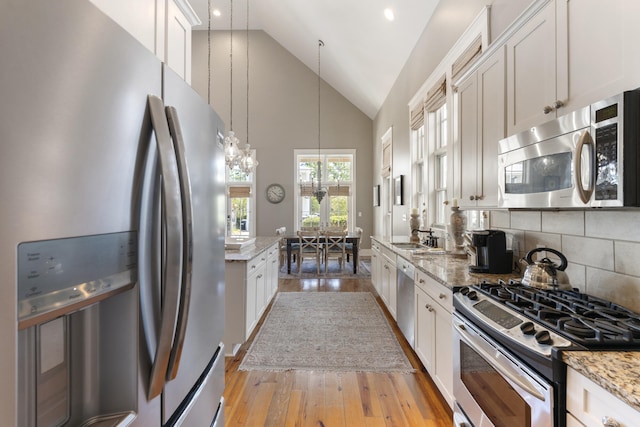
column 363, row 53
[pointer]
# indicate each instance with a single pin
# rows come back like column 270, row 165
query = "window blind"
column 239, row 191
column 437, row 95
column 467, row 58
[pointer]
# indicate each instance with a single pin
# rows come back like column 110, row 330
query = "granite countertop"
column 448, row 269
column 618, row 372
column 250, row 252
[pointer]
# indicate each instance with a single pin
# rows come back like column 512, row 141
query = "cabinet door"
column 424, row 329
column 252, row 290
column 178, row 42
column 468, row 137
column 393, row 290
column 491, row 126
column 375, row 267
column 443, row 352
column 601, row 36
column 261, row 293
column 273, row 267
column 531, row 72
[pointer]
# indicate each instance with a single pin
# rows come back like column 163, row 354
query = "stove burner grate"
column 582, row 318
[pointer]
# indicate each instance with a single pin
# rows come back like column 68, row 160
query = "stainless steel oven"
column 508, row 341
column 492, row 387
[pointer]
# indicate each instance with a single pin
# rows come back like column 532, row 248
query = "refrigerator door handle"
column 187, row 242
column 171, row 247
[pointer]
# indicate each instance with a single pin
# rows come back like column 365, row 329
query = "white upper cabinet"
column 602, row 39
column 481, row 124
column 568, row 55
column 162, row 26
column 532, row 97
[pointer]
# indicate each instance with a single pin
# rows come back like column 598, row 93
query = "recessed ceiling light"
column 388, row 13
column 216, row 12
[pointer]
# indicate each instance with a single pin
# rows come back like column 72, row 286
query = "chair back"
column 309, row 241
column 334, row 241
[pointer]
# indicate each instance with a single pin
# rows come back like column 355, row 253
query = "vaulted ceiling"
column 364, row 52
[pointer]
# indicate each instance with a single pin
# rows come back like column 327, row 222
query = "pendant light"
column 248, row 163
column 231, row 143
column 319, row 192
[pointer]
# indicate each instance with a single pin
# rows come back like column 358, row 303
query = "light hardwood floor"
column 329, row 399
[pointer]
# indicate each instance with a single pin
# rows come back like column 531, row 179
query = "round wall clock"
column 275, row 193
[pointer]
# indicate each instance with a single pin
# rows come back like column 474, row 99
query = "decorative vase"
column 414, row 223
column 458, row 223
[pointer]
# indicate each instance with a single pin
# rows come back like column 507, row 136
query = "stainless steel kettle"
column 544, row 274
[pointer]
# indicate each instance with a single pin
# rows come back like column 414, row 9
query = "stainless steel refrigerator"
column 112, row 232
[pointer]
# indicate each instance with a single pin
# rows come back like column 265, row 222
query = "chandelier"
column 234, row 155
column 318, row 192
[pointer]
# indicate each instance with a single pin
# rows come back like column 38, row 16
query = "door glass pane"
column 339, row 211
column 498, row 400
column 240, row 216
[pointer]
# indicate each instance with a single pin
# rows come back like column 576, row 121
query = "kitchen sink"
column 409, row 245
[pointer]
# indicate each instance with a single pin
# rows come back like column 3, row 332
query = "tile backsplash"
column 602, row 247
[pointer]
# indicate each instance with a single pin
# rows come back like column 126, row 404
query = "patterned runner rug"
column 326, row 331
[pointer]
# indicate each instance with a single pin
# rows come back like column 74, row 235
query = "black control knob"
column 543, row 337
column 472, row 295
column 465, row 290
column 527, row 328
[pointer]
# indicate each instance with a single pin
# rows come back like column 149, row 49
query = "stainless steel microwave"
column 588, row 158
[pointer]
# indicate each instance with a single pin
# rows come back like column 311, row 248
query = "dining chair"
column 334, row 247
column 282, row 233
column 348, row 247
column 309, row 247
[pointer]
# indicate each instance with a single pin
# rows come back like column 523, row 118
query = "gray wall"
column 451, row 18
column 283, row 102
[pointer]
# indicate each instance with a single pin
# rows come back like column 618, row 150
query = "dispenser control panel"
column 63, row 275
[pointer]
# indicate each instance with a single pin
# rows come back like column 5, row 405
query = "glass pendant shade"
column 232, row 153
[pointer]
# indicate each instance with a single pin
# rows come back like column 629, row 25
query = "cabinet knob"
column 421, row 281
column 442, row 296
column 547, row 109
column 558, row 104
column 609, row 422
column 472, row 197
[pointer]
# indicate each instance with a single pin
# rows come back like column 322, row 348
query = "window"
column 438, row 145
column 335, row 169
column 418, row 162
column 241, row 202
column 436, row 110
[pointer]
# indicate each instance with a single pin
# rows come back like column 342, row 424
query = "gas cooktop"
column 591, row 322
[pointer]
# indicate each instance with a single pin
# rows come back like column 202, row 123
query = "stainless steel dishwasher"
column 406, row 298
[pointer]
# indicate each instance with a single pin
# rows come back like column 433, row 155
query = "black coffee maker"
column 491, row 251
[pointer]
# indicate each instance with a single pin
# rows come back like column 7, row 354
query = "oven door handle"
column 506, row 371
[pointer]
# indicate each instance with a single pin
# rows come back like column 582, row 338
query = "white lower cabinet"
column 376, row 260
column 249, row 288
column 388, row 280
column 590, row 405
column 434, row 344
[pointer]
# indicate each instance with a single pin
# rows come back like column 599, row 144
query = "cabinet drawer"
column 389, row 253
column 256, row 263
column 440, row 293
column 589, row 403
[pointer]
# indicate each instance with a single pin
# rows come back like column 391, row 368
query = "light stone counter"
column 247, row 254
column 448, row 270
column 618, row 372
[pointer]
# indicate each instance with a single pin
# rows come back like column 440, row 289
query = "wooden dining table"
column 354, row 239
